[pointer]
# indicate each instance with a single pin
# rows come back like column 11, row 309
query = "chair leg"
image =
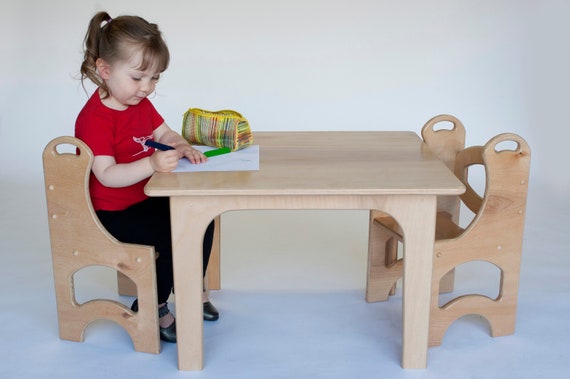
column 71, row 327
column 213, row 277
column 501, row 321
column 74, row 318
column 384, row 267
column 500, row 313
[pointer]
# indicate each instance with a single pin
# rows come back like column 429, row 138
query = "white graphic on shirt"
column 142, row 141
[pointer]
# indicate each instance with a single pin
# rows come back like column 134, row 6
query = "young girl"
column 124, row 57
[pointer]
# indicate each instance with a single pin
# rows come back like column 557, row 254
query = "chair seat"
column 445, row 227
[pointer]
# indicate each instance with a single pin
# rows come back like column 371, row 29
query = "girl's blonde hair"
column 118, row 39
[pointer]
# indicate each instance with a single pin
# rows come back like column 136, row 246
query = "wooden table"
column 389, row 171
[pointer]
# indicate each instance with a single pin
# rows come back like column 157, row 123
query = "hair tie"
column 106, row 22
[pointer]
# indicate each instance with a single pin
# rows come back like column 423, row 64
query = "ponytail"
column 91, row 49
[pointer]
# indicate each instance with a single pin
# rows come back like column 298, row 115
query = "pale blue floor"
column 292, row 305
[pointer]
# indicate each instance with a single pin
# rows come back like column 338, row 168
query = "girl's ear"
column 103, row 68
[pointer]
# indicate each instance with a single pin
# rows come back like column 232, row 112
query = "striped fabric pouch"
column 225, row 128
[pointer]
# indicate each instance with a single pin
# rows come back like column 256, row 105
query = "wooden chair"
column 494, row 235
column 78, row 240
column 384, row 267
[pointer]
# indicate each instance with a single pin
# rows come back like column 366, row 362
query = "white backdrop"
column 308, row 65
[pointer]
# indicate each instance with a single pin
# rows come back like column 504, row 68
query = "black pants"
column 148, row 223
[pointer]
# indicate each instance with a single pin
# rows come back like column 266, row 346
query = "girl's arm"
column 111, row 174
column 167, row 136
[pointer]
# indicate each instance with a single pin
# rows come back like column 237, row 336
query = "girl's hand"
column 167, row 136
column 164, row 161
column 192, row 154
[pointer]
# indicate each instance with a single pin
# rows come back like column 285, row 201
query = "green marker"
column 220, row 151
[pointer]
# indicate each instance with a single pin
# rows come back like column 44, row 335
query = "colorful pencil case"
column 224, row 128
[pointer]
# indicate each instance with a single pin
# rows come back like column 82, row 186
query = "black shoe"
column 167, row 334
column 210, row 312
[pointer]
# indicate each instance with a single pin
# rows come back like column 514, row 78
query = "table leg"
column 416, row 216
column 188, row 229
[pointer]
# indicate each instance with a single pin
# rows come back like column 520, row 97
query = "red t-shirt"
column 120, row 134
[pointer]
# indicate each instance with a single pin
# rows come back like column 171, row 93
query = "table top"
column 323, row 163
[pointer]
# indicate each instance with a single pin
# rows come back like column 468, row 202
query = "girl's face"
column 127, row 84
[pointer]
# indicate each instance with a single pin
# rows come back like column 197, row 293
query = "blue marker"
column 158, row 145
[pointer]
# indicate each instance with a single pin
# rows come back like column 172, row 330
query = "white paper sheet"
column 242, row 160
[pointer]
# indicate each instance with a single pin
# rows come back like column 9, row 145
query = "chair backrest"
column 66, row 176
column 445, row 143
column 503, row 204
